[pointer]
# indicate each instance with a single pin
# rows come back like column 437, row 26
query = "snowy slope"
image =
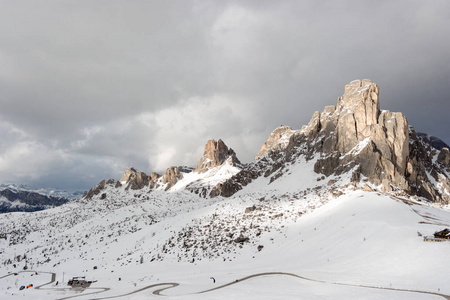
column 323, row 229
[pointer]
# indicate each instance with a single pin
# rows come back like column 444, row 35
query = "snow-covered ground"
column 303, row 236
column 359, row 238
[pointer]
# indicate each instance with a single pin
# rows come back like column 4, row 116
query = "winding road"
column 170, row 285
column 321, row 281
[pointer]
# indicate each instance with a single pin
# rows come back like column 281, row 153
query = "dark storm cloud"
column 88, row 88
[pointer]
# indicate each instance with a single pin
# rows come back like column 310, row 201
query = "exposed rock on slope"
column 278, row 140
column 137, row 180
column 171, row 176
column 356, row 136
column 217, row 164
column 215, row 154
column 433, row 141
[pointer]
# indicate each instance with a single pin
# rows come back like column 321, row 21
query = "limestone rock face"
column 126, row 176
column 154, row 176
column 444, row 157
column 356, row 132
column 215, row 154
column 278, row 140
column 373, row 149
column 96, row 190
column 171, row 177
column 355, row 136
column 358, row 112
column 391, row 138
column 137, row 180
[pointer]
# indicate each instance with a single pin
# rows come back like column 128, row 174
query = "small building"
column 80, row 282
column 443, row 234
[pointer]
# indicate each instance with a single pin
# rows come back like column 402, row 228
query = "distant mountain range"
column 22, row 198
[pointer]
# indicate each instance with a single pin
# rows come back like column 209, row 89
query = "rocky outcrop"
column 277, row 141
column 96, row 190
column 215, row 154
column 136, row 180
column 126, row 176
column 356, row 113
column 432, row 141
column 171, row 177
column 356, row 132
column 355, row 136
column 444, row 157
column 427, row 170
column 378, row 142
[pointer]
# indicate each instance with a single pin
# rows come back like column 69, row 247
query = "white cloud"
column 182, row 131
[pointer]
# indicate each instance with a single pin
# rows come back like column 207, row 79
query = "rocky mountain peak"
column 360, row 92
column 353, row 142
column 357, row 132
column 358, row 111
column 171, row 176
column 128, row 173
column 214, row 155
column 278, row 140
column 137, row 180
column 355, row 136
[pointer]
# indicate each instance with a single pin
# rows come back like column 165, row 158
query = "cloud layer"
column 88, row 88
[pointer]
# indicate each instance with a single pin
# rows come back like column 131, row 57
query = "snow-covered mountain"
column 22, row 198
column 54, row 192
column 345, row 207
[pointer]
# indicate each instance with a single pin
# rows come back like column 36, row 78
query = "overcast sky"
column 89, row 88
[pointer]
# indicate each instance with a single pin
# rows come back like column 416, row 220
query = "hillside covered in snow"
column 345, row 207
column 22, row 198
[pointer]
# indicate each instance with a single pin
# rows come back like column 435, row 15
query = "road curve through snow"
column 170, row 285
column 315, row 280
column 102, row 289
column 173, row 285
column 156, row 292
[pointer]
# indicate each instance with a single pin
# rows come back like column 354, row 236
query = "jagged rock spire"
column 128, row 173
column 215, row 154
column 137, row 180
column 357, row 132
column 358, row 110
column 355, row 136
